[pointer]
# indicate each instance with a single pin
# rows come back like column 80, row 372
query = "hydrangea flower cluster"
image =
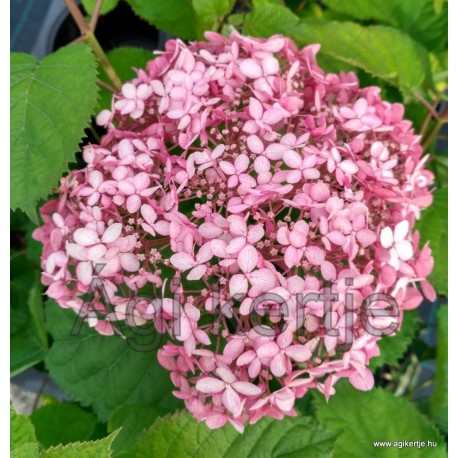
column 241, row 171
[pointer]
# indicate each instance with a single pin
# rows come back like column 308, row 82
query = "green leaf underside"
column 180, row 436
column 95, row 449
column 23, row 442
column 107, row 6
column 377, row 415
column 381, row 10
column 173, row 16
column 417, row 18
column 379, row 50
column 210, row 13
column 268, row 19
column 105, row 372
column 133, row 420
column 28, row 336
column 62, row 423
column 439, row 399
column 21, row 430
column 51, row 102
column 433, row 227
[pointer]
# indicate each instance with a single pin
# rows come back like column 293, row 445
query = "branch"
column 95, row 15
column 87, row 34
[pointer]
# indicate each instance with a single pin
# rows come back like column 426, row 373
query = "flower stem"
column 103, row 59
column 431, row 135
column 87, row 35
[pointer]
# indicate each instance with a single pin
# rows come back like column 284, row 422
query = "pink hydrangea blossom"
column 241, row 180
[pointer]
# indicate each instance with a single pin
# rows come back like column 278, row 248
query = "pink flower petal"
column 133, row 203
column 299, row 353
column 401, row 230
column 94, row 253
column 360, row 107
column 292, row 159
column 264, row 279
column 112, row 233
column 84, row 273
column 284, row 399
column 148, row 214
column 238, row 284
column 85, row 237
column 231, row 400
column 225, row 374
column 130, row 262
column 128, row 90
column 405, row 250
column 362, row 380
column 246, row 358
column 255, row 108
column 76, row 251
column 270, row 65
column 278, row 366
column 251, row 69
column 197, row 272
column 210, row 230
column 246, row 388
column 247, row 258
column 234, row 348
column 328, row 271
column 386, row 237
column 348, row 166
column 210, row 385
column 366, row 237
column 268, row 350
column 255, row 144
column 314, row 255
column 182, row 261
column 273, row 115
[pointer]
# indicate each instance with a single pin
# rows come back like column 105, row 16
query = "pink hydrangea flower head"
column 241, row 183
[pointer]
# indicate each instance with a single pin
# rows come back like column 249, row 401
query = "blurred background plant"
column 86, row 387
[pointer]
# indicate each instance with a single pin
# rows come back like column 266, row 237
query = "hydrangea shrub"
column 236, row 181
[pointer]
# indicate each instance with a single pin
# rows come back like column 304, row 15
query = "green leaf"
column 133, row 420
column 173, row 16
column 267, row 19
column 439, row 399
column 107, row 6
column 26, row 351
column 51, row 102
column 418, row 18
column 62, row 423
column 106, row 372
column 210, row 13
column 28, row 337
column 381, row 10
column 35, row 303
column 21, row 430
column 366, row 417
column 180, row 436
column 123, row 60
column 29, row 450
column 422, row 22
column 439, row 166
column 416, row 112
column 94, row 449
column 393, row 347
column 403, row 63
column 439, row 69
column 438, row 5
column 433, row 228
